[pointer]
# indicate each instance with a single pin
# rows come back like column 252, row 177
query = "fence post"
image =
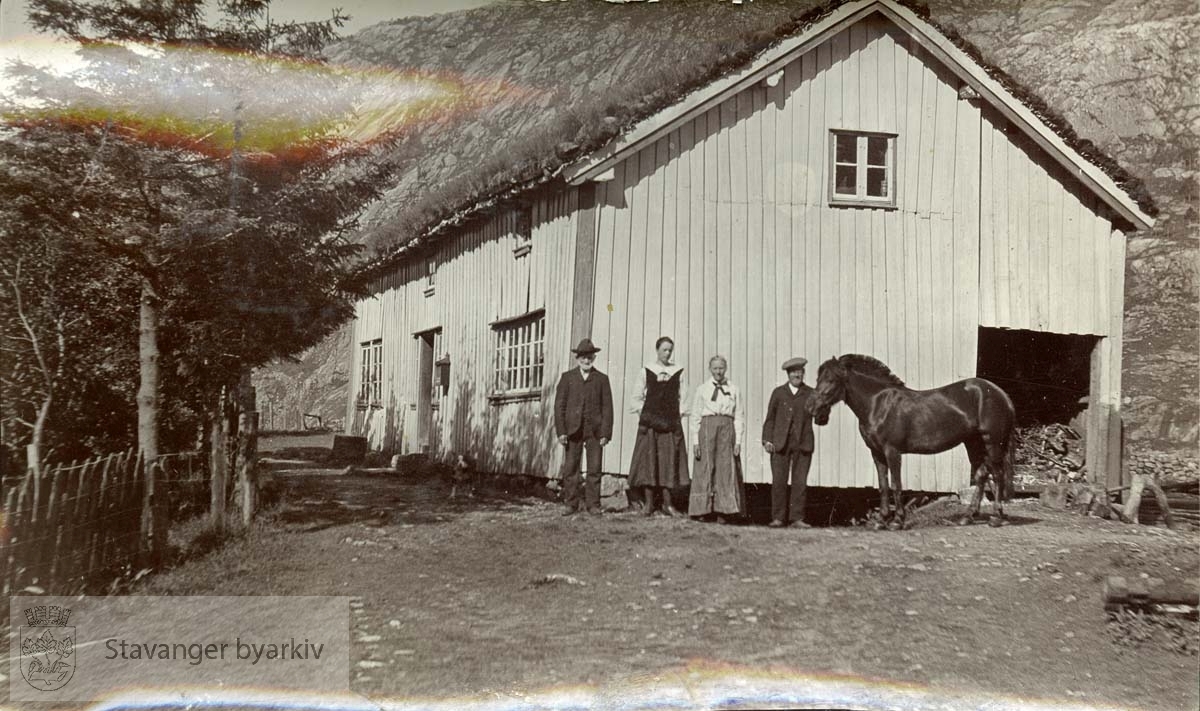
column 219, row 462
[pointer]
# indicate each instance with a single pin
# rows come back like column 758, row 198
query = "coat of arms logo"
column 47, row 647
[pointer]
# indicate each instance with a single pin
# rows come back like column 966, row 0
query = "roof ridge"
column 467, row 196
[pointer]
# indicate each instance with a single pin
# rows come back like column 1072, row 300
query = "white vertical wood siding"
column 720, row 236
column 1046, row 260
column 478, row 281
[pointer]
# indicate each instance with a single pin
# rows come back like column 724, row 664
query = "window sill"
column 858, row 202
column 515, row 396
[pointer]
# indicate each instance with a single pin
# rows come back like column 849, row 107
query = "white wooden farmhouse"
column 861, row 187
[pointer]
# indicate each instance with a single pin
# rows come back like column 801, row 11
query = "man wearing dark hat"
column 583, row 419
column 788, row 436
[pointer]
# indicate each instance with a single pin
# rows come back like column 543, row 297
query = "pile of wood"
column 1047, row 453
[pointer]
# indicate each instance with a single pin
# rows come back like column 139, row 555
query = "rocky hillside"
column 536, row 75
column 1124, row 74
column 316, row 384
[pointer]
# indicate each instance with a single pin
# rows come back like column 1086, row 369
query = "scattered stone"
column 367, row 638
column 554, row 578
column 370, row 664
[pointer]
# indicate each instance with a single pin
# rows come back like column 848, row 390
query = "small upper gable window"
column 862, row 169
column 523, row 228
column 431, row 267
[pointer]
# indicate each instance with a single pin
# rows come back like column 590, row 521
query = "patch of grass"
column 201, row 535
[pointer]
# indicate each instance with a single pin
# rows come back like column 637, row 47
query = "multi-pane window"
column 520, row 354
column 370, row 388
column 441, row 367
column 863, row 168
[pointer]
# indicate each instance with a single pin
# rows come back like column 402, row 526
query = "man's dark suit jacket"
column 788, row 415
column 569, row 402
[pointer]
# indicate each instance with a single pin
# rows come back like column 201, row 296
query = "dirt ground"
column 452, row 598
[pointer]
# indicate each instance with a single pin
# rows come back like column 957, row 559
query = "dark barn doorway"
column 1046, row 374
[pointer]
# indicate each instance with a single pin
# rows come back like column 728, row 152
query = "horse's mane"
column 869, row 366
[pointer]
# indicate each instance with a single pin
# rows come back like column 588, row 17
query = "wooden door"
column 425, row 390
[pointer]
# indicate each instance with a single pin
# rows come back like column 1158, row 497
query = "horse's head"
column 831, row 389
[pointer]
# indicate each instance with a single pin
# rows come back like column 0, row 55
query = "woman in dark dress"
column 660, row 461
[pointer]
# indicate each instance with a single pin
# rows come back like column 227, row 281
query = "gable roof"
column 966, row 68
column 556, row 86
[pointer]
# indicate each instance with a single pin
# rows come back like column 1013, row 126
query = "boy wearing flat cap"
column 583, row 419
column 788, row 436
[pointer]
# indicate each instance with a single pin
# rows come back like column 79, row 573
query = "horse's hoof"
column 997, row 522
column 966, row 521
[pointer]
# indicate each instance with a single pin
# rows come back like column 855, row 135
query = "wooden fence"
column 77, row 524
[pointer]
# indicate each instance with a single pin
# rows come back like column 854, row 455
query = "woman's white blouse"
column 637, row 395
column 704, row 404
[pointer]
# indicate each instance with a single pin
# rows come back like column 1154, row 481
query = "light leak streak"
column 700, row 685
column 193, row 97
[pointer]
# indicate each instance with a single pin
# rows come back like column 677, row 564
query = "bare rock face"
column 315, row 385
column 1124, row 75
column 1122, row 72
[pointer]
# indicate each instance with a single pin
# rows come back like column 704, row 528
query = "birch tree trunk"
column 248, row 441
column 153, row 520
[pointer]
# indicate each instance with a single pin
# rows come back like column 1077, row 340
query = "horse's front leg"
column 893, row 462
column 881, row 468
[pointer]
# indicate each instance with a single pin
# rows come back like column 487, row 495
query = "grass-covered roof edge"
column 544, row 157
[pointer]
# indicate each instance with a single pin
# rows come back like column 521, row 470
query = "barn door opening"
column 1047, row 376
column 425, row 389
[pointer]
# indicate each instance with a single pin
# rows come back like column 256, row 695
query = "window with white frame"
column 520, row 354
column 441, row 368
column 430, row 275
column 862, row 168
column 370, row 381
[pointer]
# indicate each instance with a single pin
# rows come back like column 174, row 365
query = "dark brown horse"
column 894, row 420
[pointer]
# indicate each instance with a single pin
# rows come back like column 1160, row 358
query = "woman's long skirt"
column 717, row 486
column 659, row 459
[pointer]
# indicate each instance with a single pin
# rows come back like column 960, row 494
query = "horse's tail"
column 1006, row 469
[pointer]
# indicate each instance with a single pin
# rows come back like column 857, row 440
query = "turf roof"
column 546, row 83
